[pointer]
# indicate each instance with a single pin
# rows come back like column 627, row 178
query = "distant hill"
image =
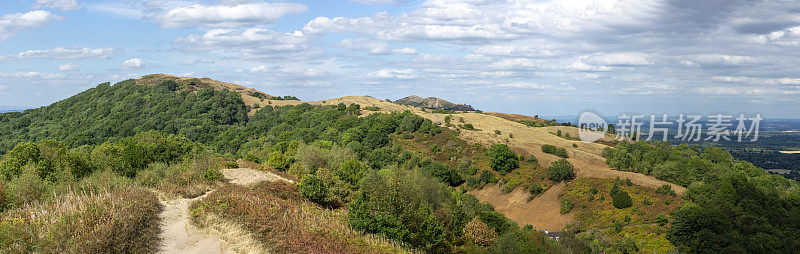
column 433, row 103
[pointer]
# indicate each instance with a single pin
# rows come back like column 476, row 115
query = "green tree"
column 561, row 170
column 502, row 159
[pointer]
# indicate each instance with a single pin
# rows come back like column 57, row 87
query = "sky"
column 521, row 56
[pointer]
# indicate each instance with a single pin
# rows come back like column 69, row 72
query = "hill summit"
column 433, row 103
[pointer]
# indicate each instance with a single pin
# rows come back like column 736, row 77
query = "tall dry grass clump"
column 121, row 221
column 278, row 216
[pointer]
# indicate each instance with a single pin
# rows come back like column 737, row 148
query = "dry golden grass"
column 124, row 221
column 543, row 212
column 276, row 214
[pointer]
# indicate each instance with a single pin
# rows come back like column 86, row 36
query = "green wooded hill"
column 122, row 110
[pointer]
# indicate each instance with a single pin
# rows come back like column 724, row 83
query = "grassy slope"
column 587, row 157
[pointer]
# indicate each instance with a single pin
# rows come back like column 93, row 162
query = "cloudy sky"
column 525, row 56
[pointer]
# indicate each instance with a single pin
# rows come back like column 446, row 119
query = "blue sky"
column 530, row 57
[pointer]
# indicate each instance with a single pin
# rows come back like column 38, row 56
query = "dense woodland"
column 734, row 207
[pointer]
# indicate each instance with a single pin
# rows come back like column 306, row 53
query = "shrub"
column 468, row 126
column 444, row 173
column 26, row 188
column 3, row 201
column 620, row 198
column 503, row 160
column 662, row 220
column 278, row 161
column 561, row 170
column 479, row 233
column 574, row 145
column 473, row 182
column 350, row 171
column 314, row 189
column 447, row 119
column 566, row 205
column 465, row 168
column 497, row 132
column 531, row 159
column 213, row 174
column 535, row 189
column 524, row 241
column 557, row 151
column 497, row 221
column 230, row 164
column 435, row 149
column 508, row 187
column 666, row 189
column 488, row 177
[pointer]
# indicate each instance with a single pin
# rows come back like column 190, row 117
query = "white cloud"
column 522, row 85
column 296, row 72
column 581, row 66
column 12, row 23
column 196, row 61
column 373, row 47
column 66, row 53
column 30, row 74
column 380, row 2
column 619, row 59
column 757, row 80
column 64, row 5
column 251, row 43
column 133, row 63
column 69, row 67
column 393, row 74
column 712, row 60
column 404, row 51
column 228, row 16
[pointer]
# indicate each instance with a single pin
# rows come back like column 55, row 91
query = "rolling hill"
column 433, row 103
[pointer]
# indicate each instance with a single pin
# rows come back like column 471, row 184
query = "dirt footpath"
column 179, row 235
